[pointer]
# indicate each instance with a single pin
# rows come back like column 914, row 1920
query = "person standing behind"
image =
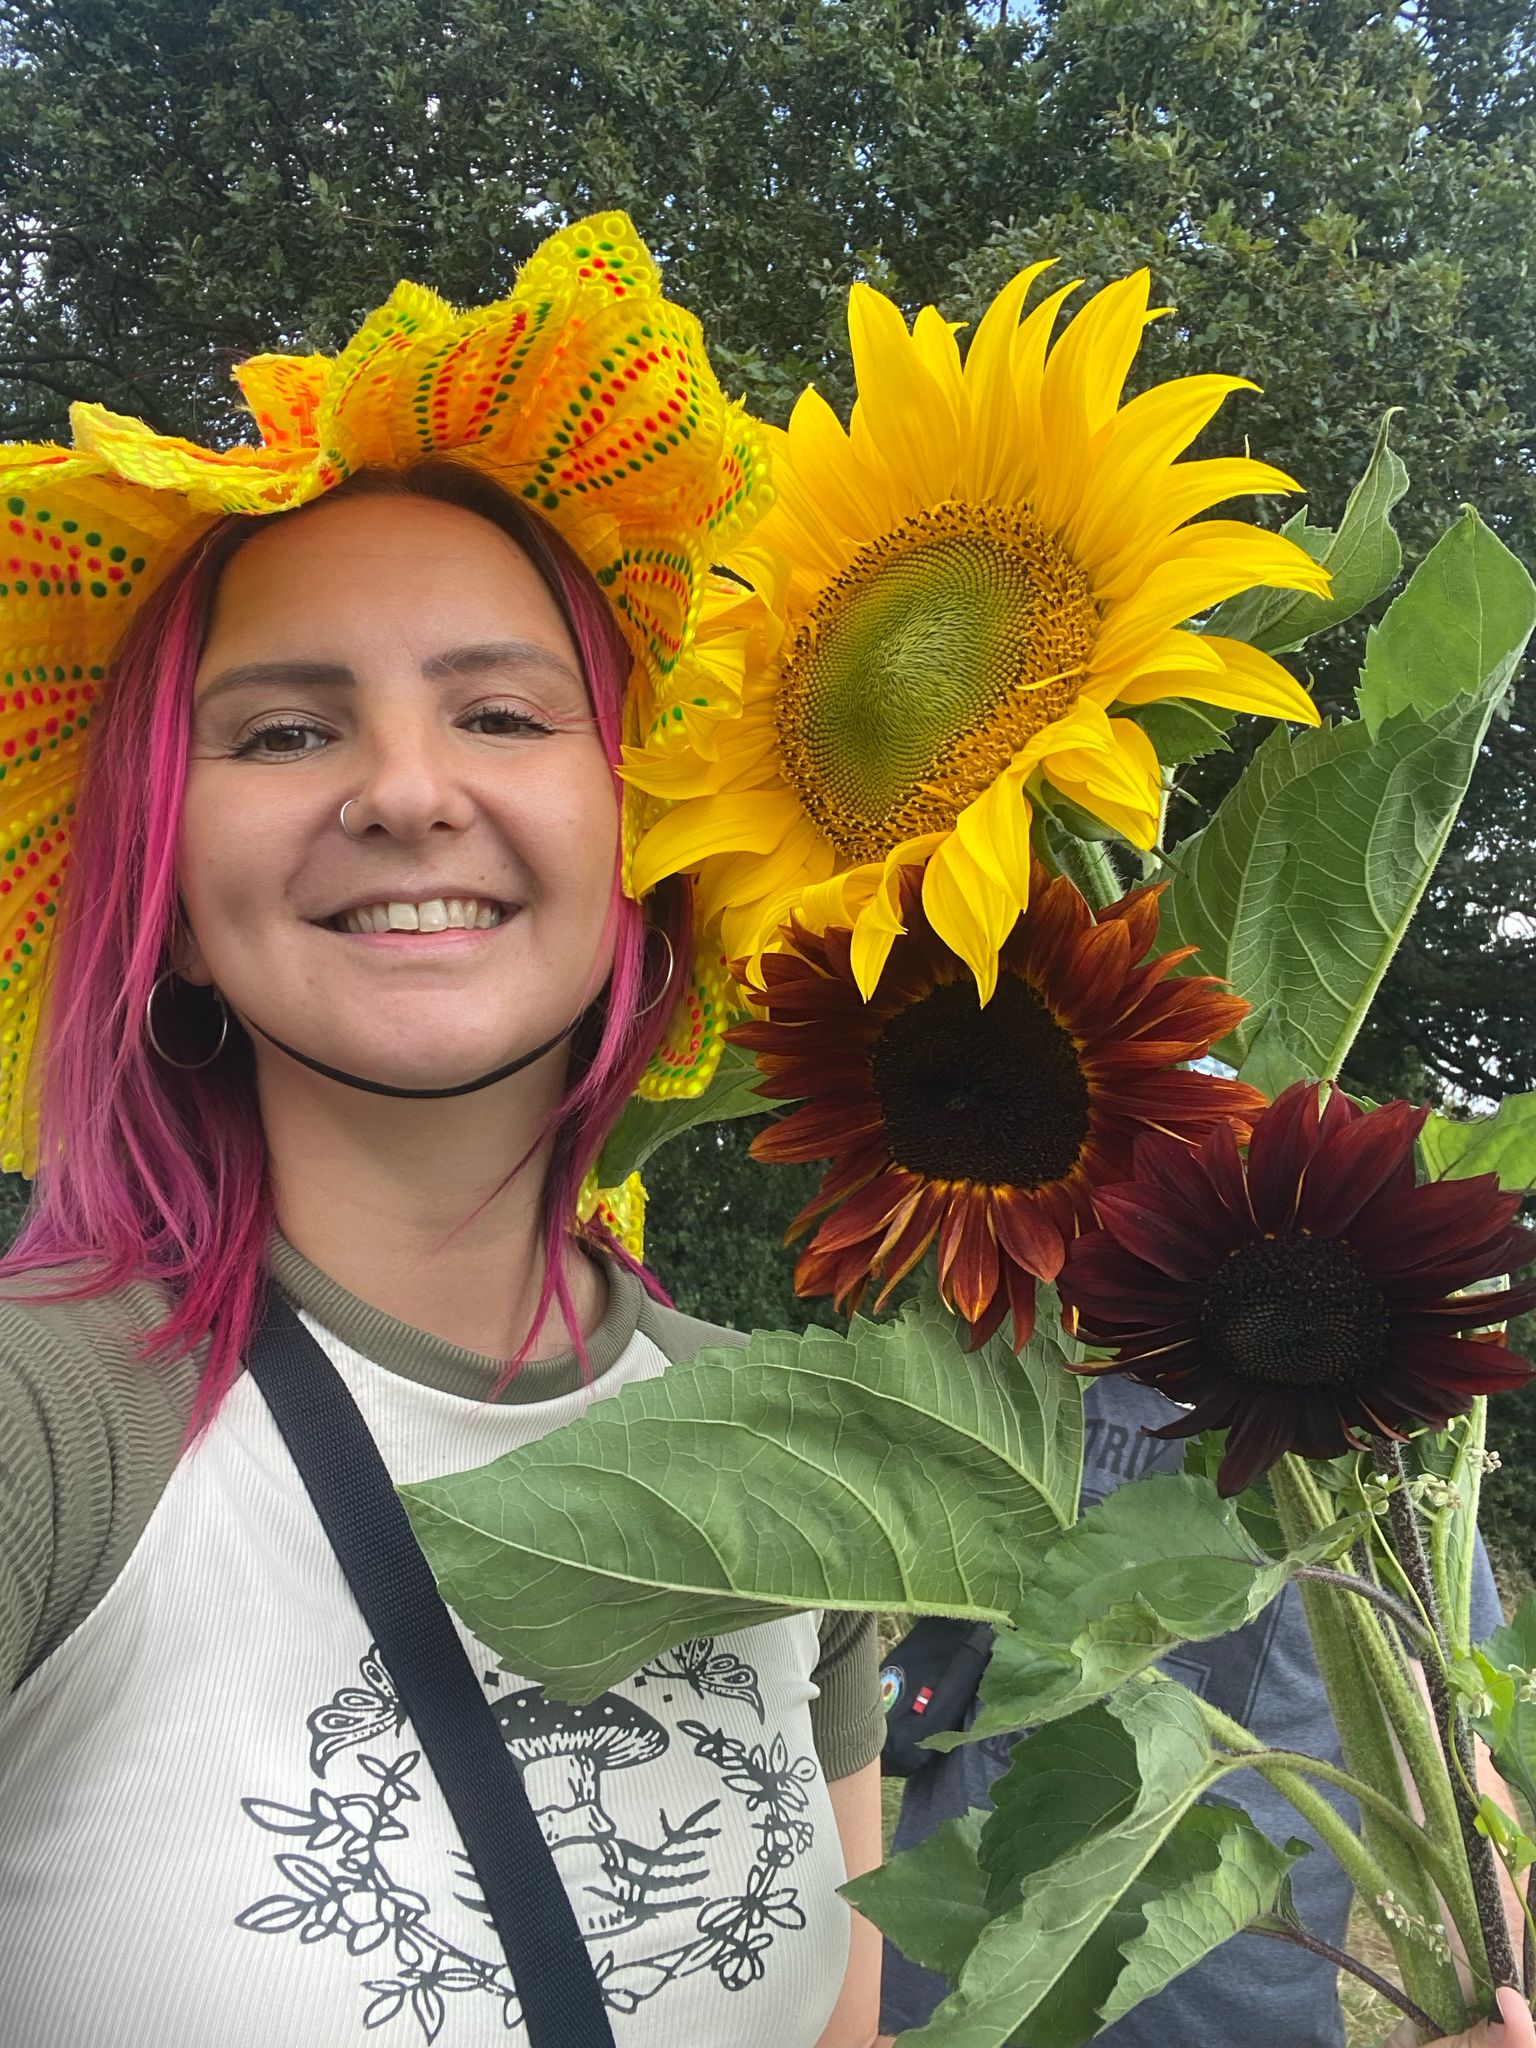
column 1265, row 1993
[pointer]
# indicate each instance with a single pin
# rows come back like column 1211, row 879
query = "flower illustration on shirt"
column 337, row 1884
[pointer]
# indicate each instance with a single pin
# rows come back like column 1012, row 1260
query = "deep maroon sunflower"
column 1308, row 1293
column 986, row 1128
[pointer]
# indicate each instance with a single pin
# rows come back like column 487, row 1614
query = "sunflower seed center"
column 924, row 667
column 994, row 1095
column 1296, row 1311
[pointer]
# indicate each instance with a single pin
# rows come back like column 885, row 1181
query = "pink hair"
column 150, row 1172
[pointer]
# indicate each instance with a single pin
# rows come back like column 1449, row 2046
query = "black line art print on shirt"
column 339, row 1876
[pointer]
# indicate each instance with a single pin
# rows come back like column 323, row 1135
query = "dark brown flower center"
column 1296, row 1312
column 995, row 1095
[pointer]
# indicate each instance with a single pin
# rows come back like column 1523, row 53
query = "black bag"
column 927, row 1684
column 346, row 1479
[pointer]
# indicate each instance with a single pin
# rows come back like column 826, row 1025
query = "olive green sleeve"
column 847, row 1720
column 89, row 1436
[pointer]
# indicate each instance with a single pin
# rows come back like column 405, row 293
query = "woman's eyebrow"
column 248, row 675
column 483, row 658
column 499, row 656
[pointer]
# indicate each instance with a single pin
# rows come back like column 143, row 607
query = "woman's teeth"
column 437, row 914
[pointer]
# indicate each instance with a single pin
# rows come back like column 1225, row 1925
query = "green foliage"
column 1362, row 555
column 1103, row 1879
column 715, row 1228
column 754, row 1482
column 1153, row 1565
column 1505, row 1511
column 1504, row 1143
column 646, row 1126
column 1506, row 1664
column 1301, row 888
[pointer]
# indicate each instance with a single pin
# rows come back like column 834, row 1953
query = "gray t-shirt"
column 1264, row 1993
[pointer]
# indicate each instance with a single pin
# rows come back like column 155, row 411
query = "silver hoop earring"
column 661, row 994
column 351, row 800
column 186, row 1066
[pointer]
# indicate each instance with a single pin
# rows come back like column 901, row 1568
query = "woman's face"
column 402, row 655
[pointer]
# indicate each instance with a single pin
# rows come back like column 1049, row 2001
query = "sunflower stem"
column 1341, row 1959
column 1385, row 1666
column 1367, row 1589
column 1087, row 864
column 1450, row 1723
column 1360, row 1674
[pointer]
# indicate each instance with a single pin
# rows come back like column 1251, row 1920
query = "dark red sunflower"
column 984, row 1128
column 1307, row 1293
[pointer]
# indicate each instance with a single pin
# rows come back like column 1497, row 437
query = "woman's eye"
column 501, row 720
column 279, row 740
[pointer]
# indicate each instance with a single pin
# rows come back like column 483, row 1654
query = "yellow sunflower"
column 958, row 592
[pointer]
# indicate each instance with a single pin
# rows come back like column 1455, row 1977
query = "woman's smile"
column 457, row 912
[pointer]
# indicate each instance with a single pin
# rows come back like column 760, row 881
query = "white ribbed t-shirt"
column 217, row 1830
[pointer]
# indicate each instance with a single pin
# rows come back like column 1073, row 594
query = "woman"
column 348, row 994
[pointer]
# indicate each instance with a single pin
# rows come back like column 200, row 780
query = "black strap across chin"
column 339, row 1462
column 417, row 1094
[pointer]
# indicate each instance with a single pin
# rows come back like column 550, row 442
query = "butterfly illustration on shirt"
column 706, row 1670
column 355, row 1713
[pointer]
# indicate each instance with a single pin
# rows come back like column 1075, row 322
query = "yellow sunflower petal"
column 756, row 821
column 1246, row 680
column 1129, row 516
column 748, row 878
column 971, row 912
column 1203, row 574
column 903, row 412
column 1178, row 650
column 1108, row 765
column 990, row 388
column 933, row 338
column 1017, row 478
column 1079, row 391
column 852, row 497
column 994, row 830
column 814, row 544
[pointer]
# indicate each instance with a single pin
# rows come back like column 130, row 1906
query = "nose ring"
column 351, row 800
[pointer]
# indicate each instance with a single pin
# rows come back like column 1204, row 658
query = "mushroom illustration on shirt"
column 562, row 1753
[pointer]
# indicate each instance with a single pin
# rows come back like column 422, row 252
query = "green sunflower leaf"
column 1456, row 632
column 885, row 1469
column 1160, row 1562
column 1301, row 887
column 931, row 1900
column 1105, row 1879
column 646, row 1126
column 1504, row 1143
column 1215, row 1875
column 1362, row 554
column 1507, row 1664
column 1183, row 731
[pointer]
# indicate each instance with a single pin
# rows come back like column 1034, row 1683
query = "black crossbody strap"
column 355, row 1499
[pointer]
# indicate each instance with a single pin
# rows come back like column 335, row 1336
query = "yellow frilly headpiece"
column 585, row 391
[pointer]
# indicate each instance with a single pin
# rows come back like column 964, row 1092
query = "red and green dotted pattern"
column 631, row 400
column 684, row 1064
column 43, row 717
column 43, row 556
column 653, row 588
column 745, row 478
